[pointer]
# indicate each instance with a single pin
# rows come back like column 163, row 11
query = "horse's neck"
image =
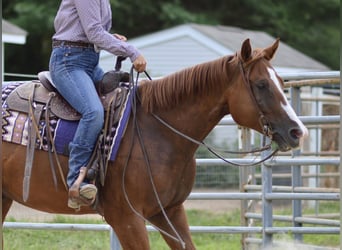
column 197, row 118
column 193, row 100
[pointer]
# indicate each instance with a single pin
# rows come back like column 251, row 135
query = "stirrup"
column 84, row 196
column 87, row 196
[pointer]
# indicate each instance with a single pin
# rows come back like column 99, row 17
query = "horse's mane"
column 165, row 93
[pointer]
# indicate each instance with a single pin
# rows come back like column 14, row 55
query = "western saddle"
column 40, row 99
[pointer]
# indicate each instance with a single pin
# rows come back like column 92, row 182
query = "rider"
column 81, row 30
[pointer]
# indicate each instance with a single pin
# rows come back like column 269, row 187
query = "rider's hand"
column 120, row 37
column 140, row 64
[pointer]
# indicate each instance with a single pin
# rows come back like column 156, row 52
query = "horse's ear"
column 270, row 51
column 246, row 50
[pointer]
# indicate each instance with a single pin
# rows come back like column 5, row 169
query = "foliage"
column 312, row 27
column 309, row 26
column 36, row 17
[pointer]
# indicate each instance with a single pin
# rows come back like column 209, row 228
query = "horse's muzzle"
column 289, row 139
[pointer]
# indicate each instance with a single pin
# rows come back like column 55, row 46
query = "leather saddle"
column 43, row 91
column 36, row 98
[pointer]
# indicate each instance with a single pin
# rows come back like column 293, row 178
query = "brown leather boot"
column 87, row 195
column 81, row 195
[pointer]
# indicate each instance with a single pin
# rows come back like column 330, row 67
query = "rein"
column 267, row 131
column 266, row 128
column 214, row 151
column 133, row 86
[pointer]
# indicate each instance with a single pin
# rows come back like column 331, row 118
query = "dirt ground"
column 22, row 213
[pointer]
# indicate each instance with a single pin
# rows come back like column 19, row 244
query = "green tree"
column 36, row 17
column 309, row 26
column 133, row 18
column 312, row 27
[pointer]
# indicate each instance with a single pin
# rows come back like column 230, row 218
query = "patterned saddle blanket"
column 63, row 120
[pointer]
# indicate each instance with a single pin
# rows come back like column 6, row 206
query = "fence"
column 296, row 192
column 250, row 191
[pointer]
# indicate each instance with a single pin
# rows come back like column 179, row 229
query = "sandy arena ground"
column 22, row 213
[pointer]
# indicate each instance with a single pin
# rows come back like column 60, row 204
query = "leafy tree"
column 133, row 18
column 36, row 17
column 312, row 27
column 309, row 26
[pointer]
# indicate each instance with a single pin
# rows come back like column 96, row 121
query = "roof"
column 232, row 37
column 189, row 44
column 12, row 33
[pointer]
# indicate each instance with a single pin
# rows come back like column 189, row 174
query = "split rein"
column 214, row 151
column 134, row 86
column 267, row 131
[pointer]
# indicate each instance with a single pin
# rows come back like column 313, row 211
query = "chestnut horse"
column 154, row 171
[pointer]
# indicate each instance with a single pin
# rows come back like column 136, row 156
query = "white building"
column 170, row 50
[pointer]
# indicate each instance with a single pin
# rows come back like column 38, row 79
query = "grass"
column 70, row 240
column 316, row 239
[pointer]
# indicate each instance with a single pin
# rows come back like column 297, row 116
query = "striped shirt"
column 90, row 21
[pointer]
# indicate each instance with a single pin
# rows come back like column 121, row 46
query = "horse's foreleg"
column 131, row 232
column 6, row 205
column 179, row 221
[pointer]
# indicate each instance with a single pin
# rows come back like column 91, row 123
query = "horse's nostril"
column 296, row 133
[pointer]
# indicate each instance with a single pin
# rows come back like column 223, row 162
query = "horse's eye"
column 262, row 84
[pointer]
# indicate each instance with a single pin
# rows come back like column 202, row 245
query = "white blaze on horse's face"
column 287, row 107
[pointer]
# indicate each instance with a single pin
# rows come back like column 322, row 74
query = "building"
column 173, row 49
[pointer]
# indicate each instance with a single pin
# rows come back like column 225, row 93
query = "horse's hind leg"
column 179, row 221
column 6, row 205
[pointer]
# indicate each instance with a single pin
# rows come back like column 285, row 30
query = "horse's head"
column 257, row 99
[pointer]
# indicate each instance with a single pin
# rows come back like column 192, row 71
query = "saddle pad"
column 15, row 124
column 121, row 128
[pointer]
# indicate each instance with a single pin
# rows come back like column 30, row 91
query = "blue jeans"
column 75, row 71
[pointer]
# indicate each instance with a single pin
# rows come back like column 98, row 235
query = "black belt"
column 59, row 43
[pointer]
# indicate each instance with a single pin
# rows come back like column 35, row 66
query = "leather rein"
column 267, row 131
column 265, row 125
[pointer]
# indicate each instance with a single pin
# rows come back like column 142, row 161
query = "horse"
column 154, row 170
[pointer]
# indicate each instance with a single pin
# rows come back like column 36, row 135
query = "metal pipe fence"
column 193, row 229
column 251, row 192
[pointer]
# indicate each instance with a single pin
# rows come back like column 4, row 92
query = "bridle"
column 264, row 123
